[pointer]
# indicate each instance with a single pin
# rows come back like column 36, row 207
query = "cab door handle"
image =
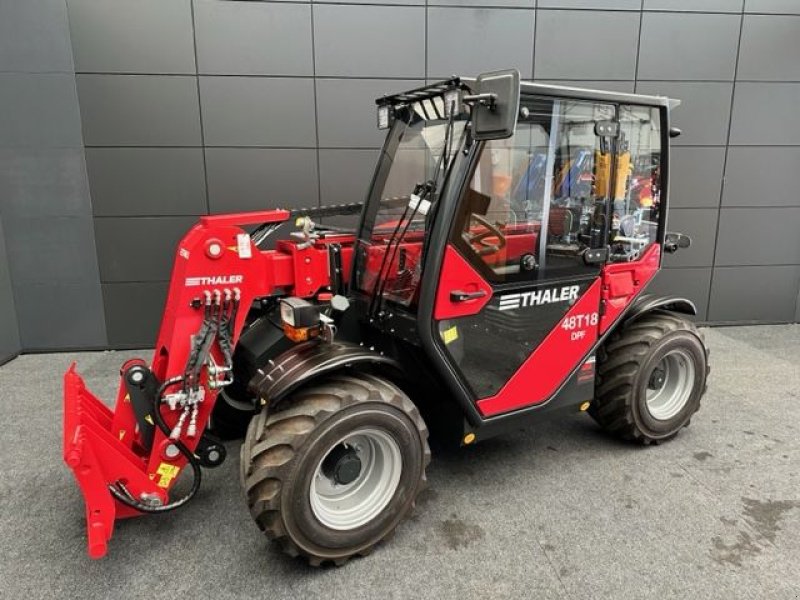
column 459, row 296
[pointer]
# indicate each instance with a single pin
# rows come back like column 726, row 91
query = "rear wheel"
column 335, row 471
column 650, row 377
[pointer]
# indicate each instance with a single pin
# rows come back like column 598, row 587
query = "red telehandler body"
column 495, row 277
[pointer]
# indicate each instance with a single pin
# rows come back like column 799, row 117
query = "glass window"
column 637, row 194
column 532, row 207
column 389, row 260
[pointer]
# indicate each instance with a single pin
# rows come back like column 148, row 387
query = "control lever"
column 459, row 296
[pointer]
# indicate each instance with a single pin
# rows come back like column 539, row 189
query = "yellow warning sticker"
column 167, row 472
column 149, row 419
column 450, row 335
column 121, row 434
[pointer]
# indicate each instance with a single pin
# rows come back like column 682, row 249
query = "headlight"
column 297, row 312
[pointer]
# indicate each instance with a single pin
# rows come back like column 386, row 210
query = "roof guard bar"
column 427, row 92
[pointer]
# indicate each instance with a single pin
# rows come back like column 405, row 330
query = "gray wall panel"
column 692, row 284
column 797, row 310
column 491, row 3
column 761, row 176
column 754, row 293
column 592, row 4
column 580, row 58
column 253, row 38
column 39, row 110
column 688, row 46
column 700, row 224
column 146, row 181
column 695, row 176
column 138, row 248
column 732, row 6
column 758, row 236
column 770, row 48
column 9, row 330
column 259, row 179
column 347, row 113
column 258, row 111
column 614, row 86
column 467, row 41
column 60, row 315
column 400, row 2
column 704, row 112
column 772, row 6
column 133, row 312
column 766, row 114
column 44, row 182
column 61, row 243
column 146, row 36
column 139, row 110
column 369, row 41
column 345, row 175
column 34, row 37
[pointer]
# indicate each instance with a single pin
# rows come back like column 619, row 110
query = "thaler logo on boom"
column 537, row 297
column 214, row 280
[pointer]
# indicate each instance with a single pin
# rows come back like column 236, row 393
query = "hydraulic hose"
column 121, row 493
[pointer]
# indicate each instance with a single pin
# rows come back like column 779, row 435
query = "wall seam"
column 316, row 106
column 200, row 107
column 725, row 163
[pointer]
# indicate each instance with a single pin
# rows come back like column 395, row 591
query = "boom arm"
column 126, row 461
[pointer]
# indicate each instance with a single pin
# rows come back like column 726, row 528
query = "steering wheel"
column 480, row 239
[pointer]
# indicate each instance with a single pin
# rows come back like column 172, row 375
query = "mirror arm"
column 488, row 100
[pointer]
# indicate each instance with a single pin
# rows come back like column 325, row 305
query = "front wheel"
column 335, row 471
column 650, row 378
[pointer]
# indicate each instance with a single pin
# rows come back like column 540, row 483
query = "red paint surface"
column 622, row 282
column 458, row 274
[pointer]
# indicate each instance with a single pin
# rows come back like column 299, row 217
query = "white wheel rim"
column 670, row 385
column 345, row 506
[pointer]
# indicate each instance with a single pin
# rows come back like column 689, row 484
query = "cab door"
column 517, row 304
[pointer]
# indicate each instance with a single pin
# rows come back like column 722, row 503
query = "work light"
column 452, row 101
column 384, row 116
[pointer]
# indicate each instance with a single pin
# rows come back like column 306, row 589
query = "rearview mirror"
column 495, row 105
column 673, row 241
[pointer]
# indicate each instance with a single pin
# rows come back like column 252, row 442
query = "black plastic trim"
column 302, row 363
column 648, row 302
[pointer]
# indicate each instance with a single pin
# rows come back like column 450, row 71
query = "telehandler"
column 496, row 277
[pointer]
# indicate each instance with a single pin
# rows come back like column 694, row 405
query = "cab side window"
column 637, row 191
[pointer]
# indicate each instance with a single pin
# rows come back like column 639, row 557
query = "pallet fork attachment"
column 96, row 458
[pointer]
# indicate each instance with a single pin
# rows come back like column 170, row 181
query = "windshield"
column 397, row 219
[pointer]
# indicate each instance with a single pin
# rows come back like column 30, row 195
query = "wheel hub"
column 657, row 378
column 342, row 465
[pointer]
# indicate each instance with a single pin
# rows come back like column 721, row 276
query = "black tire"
column 625, row 369
column 282, row 451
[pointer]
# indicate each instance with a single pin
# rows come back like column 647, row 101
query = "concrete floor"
column 559, row 511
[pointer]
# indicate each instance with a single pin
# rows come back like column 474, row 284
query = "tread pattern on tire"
column 618, row 362
column 274, row 439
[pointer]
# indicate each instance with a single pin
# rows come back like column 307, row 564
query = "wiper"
column 423, row 192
